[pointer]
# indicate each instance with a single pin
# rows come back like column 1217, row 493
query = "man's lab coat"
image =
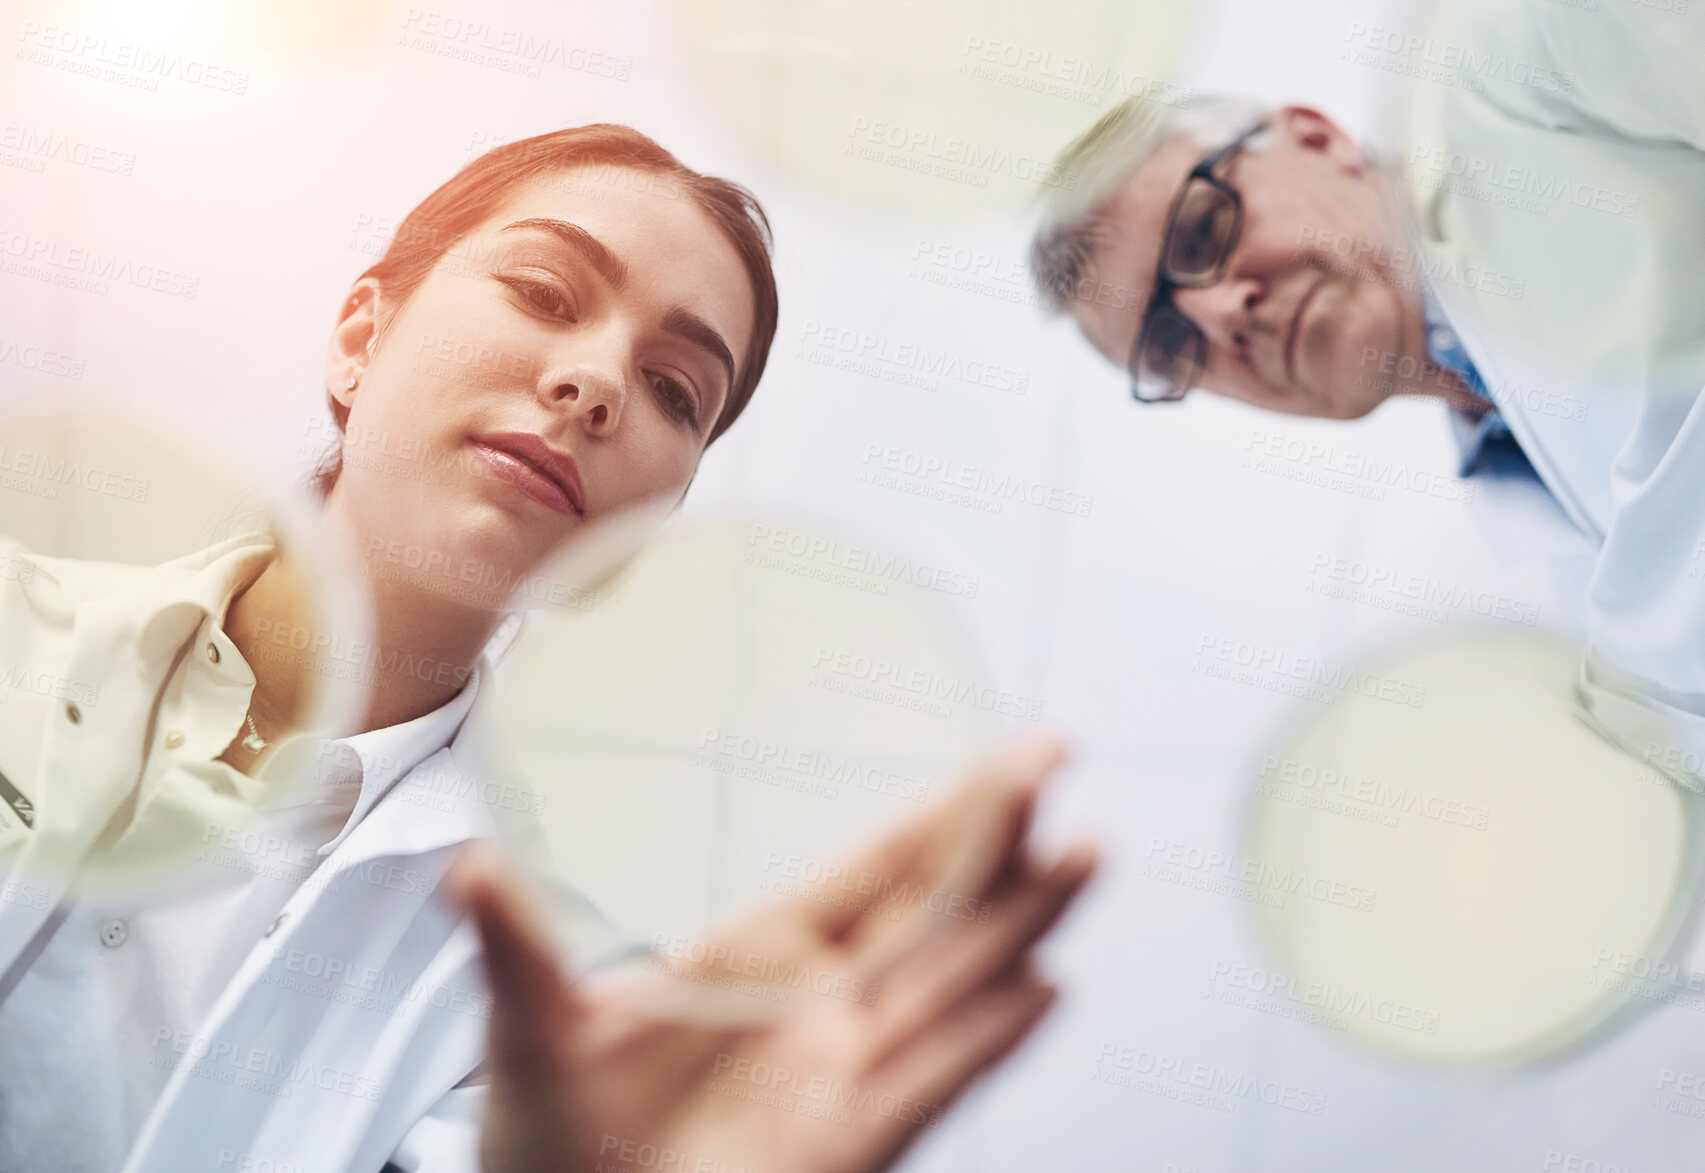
column 1553, row 157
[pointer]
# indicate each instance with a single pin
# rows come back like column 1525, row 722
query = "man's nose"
column 593, row 397
column 1225, row 311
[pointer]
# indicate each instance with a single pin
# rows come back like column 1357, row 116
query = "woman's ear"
column 352, row 341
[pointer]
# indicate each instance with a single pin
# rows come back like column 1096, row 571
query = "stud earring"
column 349, row 384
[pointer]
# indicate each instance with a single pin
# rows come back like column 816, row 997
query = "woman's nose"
column 592, row 397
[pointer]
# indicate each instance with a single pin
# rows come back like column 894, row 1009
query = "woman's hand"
column 925, row 941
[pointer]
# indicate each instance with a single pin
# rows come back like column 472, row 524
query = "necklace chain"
column 254, row 742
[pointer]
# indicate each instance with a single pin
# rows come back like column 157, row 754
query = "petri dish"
column 1452, row 857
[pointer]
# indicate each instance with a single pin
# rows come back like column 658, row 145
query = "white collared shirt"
column 115, row 970
column 297, row 969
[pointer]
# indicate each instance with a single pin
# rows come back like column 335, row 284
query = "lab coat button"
column 213, row 653
column 273, row 927
column 73, row 714
column 113, row 933
column 174, row 739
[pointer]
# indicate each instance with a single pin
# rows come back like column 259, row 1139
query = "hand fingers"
column 533, row 1005
column 975, row 1035
column 938, row 1064
column 933, row 979
column 885, row 902
column 956, row 848
column 688, row 994
column 989, row 834
column 944, row 911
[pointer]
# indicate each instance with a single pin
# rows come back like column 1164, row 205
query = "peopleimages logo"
column 86, row 269
column 1434, row 59
column 40, row 359
column 820, row 1090
column 617, row 1154
column 1321, row 1003
column 141, row 66
column 1653, row 979
column 1557, row 1161
column 871, row 889
column 38, row 147
column 1408, row 267
column 43, row 474
column 1248, row 663
column 925, row 683
column 1154, row 1071
column 1361, row 474
column 1392, row 589
column 870, row 354
column 980, row 488
column 794, row 767
column 1074, row 79
column 1433, row 166
column 916, row 148
column 770, row 545
column 789, row 974
column 47, row 684
column 1279, row 775
column 255, row 1068
column 368, row 987
column 506, row 49
column 1681, row 1092
column 1172, row 860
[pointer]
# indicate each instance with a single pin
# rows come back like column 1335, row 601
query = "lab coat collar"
column 1527, row 436
column 383, row 756
column 447, row 797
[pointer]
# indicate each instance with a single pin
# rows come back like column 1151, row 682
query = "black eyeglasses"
column 1201, row 232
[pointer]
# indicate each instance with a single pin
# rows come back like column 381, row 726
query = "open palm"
column 918, row 955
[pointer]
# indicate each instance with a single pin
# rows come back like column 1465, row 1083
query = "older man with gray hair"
column 1537, row 261
column 1259, row 254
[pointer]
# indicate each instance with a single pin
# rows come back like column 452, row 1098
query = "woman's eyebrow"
column 593, row 250
column 683, row 323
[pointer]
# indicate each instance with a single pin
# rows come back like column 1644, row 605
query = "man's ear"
column 1308, row 129
column 352, row 340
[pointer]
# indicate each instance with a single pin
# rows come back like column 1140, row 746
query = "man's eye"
column 677, row 400
column 1199, row 237
column 547, row 299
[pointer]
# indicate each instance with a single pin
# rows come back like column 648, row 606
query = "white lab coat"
column 277, row 1077
column 1596, row 114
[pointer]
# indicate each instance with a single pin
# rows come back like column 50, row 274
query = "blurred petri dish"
column 89, row 505
column 743, row 693
column 934, row 108
column 1543, row 226
column 267, row 31
column 1451, row 856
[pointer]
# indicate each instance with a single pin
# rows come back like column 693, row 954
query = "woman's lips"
column 512, row 470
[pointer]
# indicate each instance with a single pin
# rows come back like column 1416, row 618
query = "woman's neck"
column 419, row 653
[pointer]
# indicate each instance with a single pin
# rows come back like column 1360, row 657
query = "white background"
column 266, row 197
